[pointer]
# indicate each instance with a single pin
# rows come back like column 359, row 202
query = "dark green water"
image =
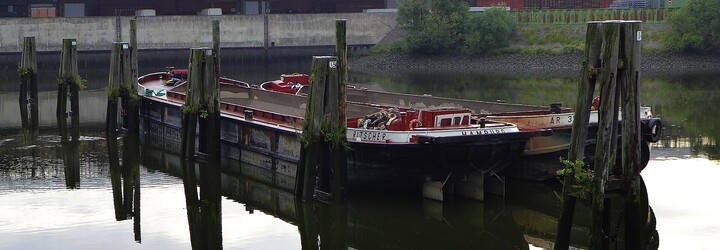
column 86, row 192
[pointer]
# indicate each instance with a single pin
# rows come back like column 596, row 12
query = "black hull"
column 382, row 166
column 370, row 166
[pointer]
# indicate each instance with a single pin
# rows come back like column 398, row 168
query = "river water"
column 63, row 192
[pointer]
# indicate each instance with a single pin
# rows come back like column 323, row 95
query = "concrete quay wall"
column 178, row 32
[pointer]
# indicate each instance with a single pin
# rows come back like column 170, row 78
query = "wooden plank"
column 605, row 147
column 338, row 150
column 629, row 80
column 591, row 62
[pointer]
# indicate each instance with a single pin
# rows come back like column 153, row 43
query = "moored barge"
column 388, row 148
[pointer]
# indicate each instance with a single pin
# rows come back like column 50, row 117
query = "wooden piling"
column 338, row 150
column 119, row 76
column 629, row 79
column 618, row 75
column 68, row 73
column 216, row 40
column 129, row 98
column 324, row 133
column 202, row 105
column 607, row 124
column 133, row 49
column 27, row 70
column 209, row 118
column 591, row 64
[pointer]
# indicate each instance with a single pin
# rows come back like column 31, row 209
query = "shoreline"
column 545, row 65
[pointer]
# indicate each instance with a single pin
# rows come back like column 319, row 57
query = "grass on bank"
column 446, row 27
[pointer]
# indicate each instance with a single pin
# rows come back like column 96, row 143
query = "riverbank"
column 546, row 65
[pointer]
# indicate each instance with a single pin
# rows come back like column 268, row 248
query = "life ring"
column 414, row 123
column 653, row 130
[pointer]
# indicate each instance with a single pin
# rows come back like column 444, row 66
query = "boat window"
column 445, row 122
column 456, row 120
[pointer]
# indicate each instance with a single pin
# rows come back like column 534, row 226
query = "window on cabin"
column 445, row 122
column 457, row 120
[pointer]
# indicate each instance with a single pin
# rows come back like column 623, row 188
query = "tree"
column 695, row 27
column 489, row 30
column 432, row 27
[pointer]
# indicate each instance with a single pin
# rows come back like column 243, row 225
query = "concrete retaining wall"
column 175, row 32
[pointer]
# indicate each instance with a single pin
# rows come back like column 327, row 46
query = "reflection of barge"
column 393, row 148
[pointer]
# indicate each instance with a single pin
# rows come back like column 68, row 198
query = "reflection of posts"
column 125, row 180
column 115, row 175
column 307, row 225
column 70, row 152
column 205, row 211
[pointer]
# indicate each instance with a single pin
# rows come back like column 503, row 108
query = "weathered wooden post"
column 68, row 74
column 629, row 79
column 129, row 98
column 607, row 125
column 209, row 121
column 591, row 65
column 28, row 83
column 202, row 101
column 119, row 76
column 339, row 147
column 216, row 40
column 133, row 49
column 616, row 45
column 324, row 132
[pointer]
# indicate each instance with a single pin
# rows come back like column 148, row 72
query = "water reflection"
column 204, row 211
column 125, row 180
column 527, row 217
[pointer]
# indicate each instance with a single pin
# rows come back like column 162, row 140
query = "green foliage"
column 489, row 31
column 384, row 48
column 695, row 27
column 334, row 135
column 75, row 79
column 433, row 27
column 582, row 185
column 113, row 92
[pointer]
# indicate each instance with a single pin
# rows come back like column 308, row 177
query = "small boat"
column 388, row 147
column 289, row 84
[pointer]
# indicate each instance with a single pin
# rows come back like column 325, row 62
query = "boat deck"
column 156, row 86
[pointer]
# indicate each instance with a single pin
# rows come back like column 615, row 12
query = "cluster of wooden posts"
column 324, row 151
column 612, row 59
column 323, row 163
column 69, row 83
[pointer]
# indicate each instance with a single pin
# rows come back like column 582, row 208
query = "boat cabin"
column 413, row 119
